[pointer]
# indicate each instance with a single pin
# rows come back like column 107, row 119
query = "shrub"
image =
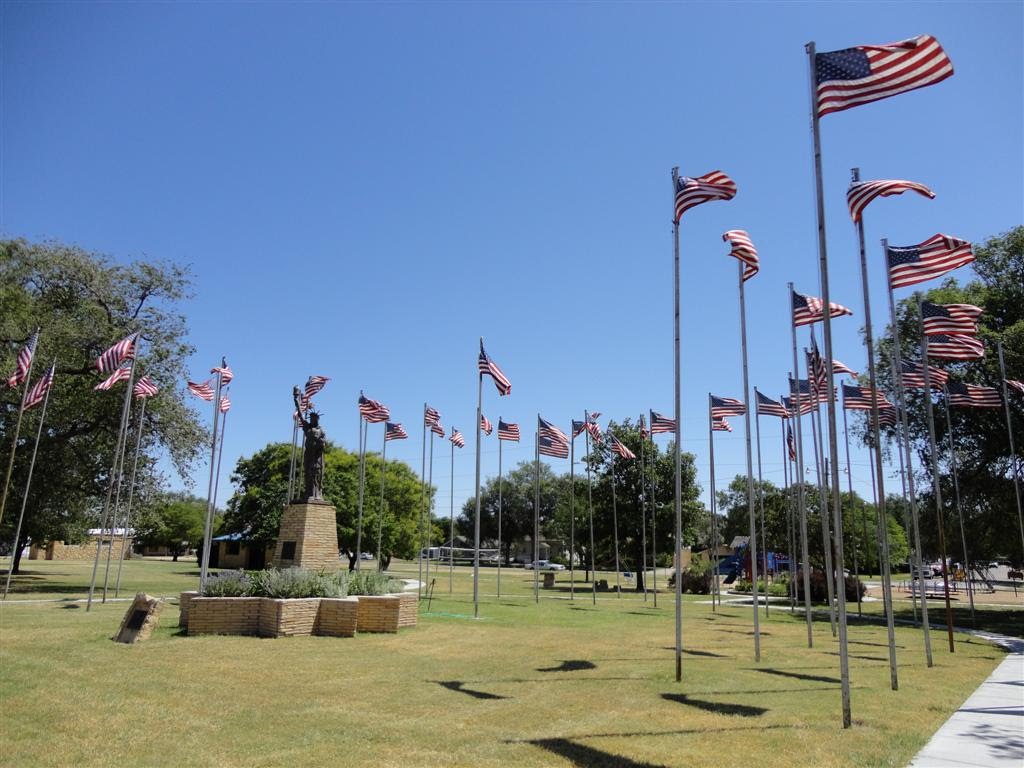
column 819, row 587
column 228, row 584
column 289, row 583
column 372, row 583
column 693, row 583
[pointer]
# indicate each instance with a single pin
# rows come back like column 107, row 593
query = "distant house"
column 109, row 539
column 233, row 550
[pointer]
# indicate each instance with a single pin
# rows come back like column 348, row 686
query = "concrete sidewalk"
column 988, row 729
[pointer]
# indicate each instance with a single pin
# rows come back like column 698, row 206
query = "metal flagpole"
column 117, row 506
column 451, row 519
column 849, row 485
column 906, row 517
column 654, row 529
column 28, row 483
column 936, row 475
column 476, row 520
column 536, row 512
column 875, row 429
column 430, row 517
column 500, row 441
column 615, row 528
column 291, row 466
column 424, row 548
column 790, row 540
column 800, row 482
column 114, row 470
column 837, row 510
column 210, row 502
column 1013, row 451
column 131, row 493
column 760, row 500
column 959, row 507
column 363, row 434
column 590, row 511
column 17, row 433
column 750, row 467
column 714, row 510
column 643, row 508
column 380, row 512
column 677, row 455
column 572, row 509
column 817, row 439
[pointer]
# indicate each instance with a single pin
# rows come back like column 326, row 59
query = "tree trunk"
column 639, row 570
column 16, row 559
column 352, row 561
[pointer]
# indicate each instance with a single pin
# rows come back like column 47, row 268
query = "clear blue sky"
column 363, row 190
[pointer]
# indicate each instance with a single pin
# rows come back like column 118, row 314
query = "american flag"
column 121, row 373
column 144, row 387
column 861, row 193
column 939, row 254
column 24, row 361
column 437, row 429
column 548, row 446
column 314, row 384
column 809, row 397
column 661, row 424
column 578, row 428
column 744, row 250
column 818, row 370
column 226, row 374
column 547, row 428
column 225, row 402
column 373, row 411
column 431, row 416
column 616, row 445
column 38, row 392
column 866, row 73
column 955, row 346
column 887, row 417
column 973, row 396
column 950, row 318
column 305, row 403
column 203, row 391
column 457, row 439
column 859, row 398
column 691, row 192
column 1018, row 385
column 809, row 309
column 394, row 431
column 508, row 431
column 838, row 367
column 720, row 425
column 117, row 354
column 488, row 366
column 768, row 407
column 790, row 443
column 913, row 375
column 485, row 425
column 726, row 406
column 643, row 427
column 806, row 404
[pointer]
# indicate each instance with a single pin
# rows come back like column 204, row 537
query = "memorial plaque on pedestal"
column 140, row 620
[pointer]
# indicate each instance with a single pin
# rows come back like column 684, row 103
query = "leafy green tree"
column 174, row 521
column 84, row 302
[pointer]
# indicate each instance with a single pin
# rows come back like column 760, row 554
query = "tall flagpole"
column 204, row 570
column 17, row 433
column 800, row 482
column 643, row 507
column 500, row 441
column 790, row 526
column 131, row 493
column 110, row 485
column 849, row 486
column 654, row 529
column 291, row 465
column 430, row 517
column 678, row 460
column 536, row 512
column 714, row 510
column 959, row 507
column 906, row 513
column 451, row 519
column 817, row 438
column 572, row 509
column 875, row 429
column 1013, row 451
column 380, row 512
column 837, row 510
column 363, row 434
column 28, row 484
column 590, row 511
column 760, row 500
column 117, row 506
column 424, row 548
column 750, row 468
column 615, row 528
column 936, row 475
column 476, row 520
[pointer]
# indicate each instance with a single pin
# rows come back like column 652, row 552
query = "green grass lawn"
column 554, row 683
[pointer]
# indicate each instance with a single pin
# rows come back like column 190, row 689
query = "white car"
column 544, row 565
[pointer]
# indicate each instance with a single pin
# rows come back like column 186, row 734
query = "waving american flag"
column 507, row 431
column 24, row 361
column 939, row 254
column 861, row 193
column 692, row 192
column 744, row 250
column 489, row 367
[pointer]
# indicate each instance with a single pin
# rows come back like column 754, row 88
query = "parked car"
column 544, row 565
column 366, row 556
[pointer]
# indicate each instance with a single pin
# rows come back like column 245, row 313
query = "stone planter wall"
column 337, row 617
column 408, row 609
column 224, row 615
column 288, row 618
column 183, row 602
column 379, row 613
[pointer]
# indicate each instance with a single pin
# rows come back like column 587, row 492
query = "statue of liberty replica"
column 314, row 442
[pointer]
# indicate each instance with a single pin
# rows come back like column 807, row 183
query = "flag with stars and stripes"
column 973, row 396
column 950, row 318
column 488, row 366
column 437, row 429
column 485, row 425
column 720, row 425
column 394, row 431
column 861, row 193
column 768, row 407
column 24, row 360
column 810, row 309
column 457, row 439
column 866, row 73
column 144, row 387
column 431, row 416
column 549, row 446
column 122, row 373
column 691, row 192
column 955, row 346
column 806, row 404
column 939, row 254
column 859, row 398
column 37, row 394
column 617, row 445
column 661, row 424
column 226, row 374
column 225, row 402
column 507, row 431
column 314, row 384
column 887, row 417
column 578, row 428
column 913, row 375
column 117, row 354
column 1018, row 385
column 818, row 370
column 839, row 367
column 726, row 406
column 549, row 429
column 373, row 411
column 790, row 443
column 744, row 250
column 203, row 391
column 642, row 424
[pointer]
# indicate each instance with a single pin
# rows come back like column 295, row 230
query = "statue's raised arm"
column 296, row 394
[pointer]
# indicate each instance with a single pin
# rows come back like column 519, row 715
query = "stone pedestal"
column 308, row 537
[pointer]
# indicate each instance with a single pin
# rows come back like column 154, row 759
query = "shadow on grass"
column 588, row 757
column 570, row 665
column 800, row 676
column 690, row 652
column 1005, row 621
column 37, row 588
column 721, row 708
column 750, row 632
column 456, row 685
column 866, row 642
column 862, row 658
